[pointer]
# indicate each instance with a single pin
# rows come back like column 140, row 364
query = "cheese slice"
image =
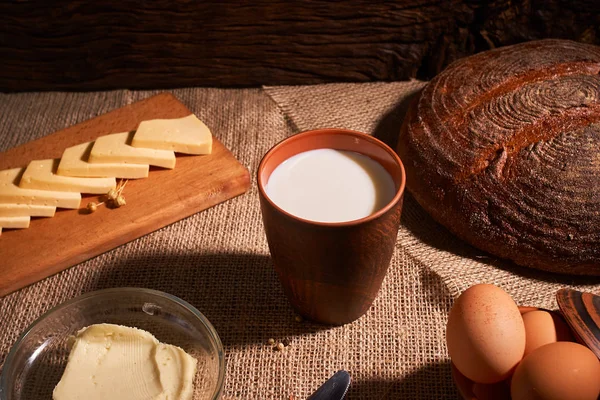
column 11, row 193
column 183, row 135
column 26, row 210
column 74, row 162
column 116, row 148
column 15, row 222
column 40, row 174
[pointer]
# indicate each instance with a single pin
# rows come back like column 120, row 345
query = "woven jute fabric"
column 218, row 260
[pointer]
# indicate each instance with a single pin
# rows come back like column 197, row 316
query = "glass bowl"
column 37, row 360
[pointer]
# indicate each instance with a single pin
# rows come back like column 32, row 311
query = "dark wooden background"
column 104, row 44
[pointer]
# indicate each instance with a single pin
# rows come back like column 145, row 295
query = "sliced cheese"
column 184, row 135
column 26, row 210
column 11, row 193
column 15, row 222
column 40, row 174
column 115, row 148
column 74, row 162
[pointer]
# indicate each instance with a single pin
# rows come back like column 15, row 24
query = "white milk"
column 328, row 185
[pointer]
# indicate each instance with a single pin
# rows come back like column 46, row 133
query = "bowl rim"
column 210, row 328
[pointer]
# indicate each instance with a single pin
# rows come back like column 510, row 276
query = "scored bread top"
column 503, row 148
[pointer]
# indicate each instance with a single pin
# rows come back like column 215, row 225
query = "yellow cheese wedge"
column 40, row 174
column 74, row 162
column 26, row 210
column 14, row 222
column 184, row 135
column 115, row 148
column 11, row 193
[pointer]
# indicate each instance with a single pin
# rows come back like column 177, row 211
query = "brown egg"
column 526, row 309
column 543, row 327
column 557, row 371
column 485, row 334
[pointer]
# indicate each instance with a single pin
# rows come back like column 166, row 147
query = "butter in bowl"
column 125, row 343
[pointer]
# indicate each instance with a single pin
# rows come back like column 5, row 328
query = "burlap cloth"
column 218, row 260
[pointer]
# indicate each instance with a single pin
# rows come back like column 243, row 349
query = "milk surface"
column 328, row 185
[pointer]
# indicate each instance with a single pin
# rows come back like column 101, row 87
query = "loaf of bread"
column 503, row 149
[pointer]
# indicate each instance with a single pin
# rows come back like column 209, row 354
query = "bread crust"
column 503, row 148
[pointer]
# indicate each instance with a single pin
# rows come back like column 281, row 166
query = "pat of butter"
column 11, row 193
column 118, row 362
column 26, row 210
column 74, row 162
column 116, row 148
column 184, row 135
column 40, row 174
column 14, row 222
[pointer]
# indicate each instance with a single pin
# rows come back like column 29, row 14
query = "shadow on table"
column 388, row 127
column 239, row 293
column 433, row 381
column 431, row 233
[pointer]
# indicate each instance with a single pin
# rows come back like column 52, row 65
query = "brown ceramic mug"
column 331, row 271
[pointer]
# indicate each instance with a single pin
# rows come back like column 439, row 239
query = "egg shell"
column 557, row 371
column 485, row 334
column 526, row 309
column 543, row 327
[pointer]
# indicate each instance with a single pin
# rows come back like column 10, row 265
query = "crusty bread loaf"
column 503, row 148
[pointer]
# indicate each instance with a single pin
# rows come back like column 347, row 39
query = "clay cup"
column 331, row 272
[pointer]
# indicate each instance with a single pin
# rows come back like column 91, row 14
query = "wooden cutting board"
column 53, row 244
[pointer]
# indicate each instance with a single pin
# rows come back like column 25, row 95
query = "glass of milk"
column 331, row 201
